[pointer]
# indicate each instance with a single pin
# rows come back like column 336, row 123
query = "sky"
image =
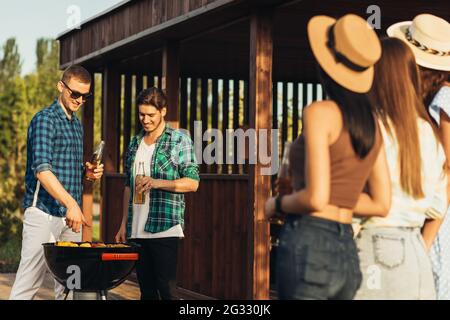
column 28, row 20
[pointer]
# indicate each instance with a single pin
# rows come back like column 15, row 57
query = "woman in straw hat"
column 429, row 38
column 392, row 252
column 339, row 150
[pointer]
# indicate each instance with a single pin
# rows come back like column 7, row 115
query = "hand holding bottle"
column 94, row 169
column 139, row 196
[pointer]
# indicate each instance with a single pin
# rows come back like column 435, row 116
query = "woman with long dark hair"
column 392, row 251
column 337, row 152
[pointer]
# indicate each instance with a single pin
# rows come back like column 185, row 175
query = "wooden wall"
column 214, row 256
column 119, row 24
column 219, row 104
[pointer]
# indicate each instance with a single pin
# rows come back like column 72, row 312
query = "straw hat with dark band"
column 429, row 38
column 346, row 49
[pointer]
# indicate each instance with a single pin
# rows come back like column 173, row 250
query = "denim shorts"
column 395, row 265
column 317, row 260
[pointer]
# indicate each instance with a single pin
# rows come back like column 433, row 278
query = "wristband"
column 278, row 208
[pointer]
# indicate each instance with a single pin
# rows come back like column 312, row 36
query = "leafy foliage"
column 20, row 98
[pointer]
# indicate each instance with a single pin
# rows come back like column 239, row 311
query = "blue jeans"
column 395, row 265
column 317, row 260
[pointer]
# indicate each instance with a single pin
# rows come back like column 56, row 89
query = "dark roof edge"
column 152, row 30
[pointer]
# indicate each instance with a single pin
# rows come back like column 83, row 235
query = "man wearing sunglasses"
column 53, row 181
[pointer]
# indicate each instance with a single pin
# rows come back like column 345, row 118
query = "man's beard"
column 156, row 126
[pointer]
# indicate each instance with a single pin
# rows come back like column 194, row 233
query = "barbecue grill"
column 101, row 268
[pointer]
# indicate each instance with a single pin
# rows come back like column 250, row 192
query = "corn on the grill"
column 66, row 244
column 90, row 245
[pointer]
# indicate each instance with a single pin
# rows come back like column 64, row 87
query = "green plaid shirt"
column 172, row 159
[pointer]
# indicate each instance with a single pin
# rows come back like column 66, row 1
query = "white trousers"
column 38, row 228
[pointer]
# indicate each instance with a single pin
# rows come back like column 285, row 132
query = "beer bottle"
column 95, row 160
column 139, row 197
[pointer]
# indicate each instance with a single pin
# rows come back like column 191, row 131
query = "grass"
column 10, row 255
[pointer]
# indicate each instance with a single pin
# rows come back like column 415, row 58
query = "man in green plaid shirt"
column 160, row 167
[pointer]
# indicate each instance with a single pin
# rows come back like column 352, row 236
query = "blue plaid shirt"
column 54, row 143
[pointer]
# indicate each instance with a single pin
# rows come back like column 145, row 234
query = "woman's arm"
column 431, row 227
column 430, row 230
column 378, row 201
column 444, row 128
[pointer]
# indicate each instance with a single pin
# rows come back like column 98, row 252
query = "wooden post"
column 111, row 159
column 260, row 100
column 170, row 81
column 127, row 116
column 88, row 146
column 139, row 86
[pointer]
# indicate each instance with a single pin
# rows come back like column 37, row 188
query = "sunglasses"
column 75, row 94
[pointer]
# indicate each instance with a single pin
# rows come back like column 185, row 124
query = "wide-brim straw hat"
column 352, row 52
column 429, row 38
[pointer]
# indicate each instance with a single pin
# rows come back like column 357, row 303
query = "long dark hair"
column 356, row 112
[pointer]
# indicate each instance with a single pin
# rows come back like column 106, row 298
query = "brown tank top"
column 349, row 173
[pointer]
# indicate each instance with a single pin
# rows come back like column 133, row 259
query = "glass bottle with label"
column 139, row 197
column 95, row 161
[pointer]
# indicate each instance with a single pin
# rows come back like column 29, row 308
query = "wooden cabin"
column 230, row 64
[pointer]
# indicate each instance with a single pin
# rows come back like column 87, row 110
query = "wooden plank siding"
column 110, row 134
column 88, row 146
column 214, row 252
column 220, row 107
column 204, row 117
column 139, row 87
column 183, row 103
column 170, row 82
column 215, row 115
column 123, row 22
column 295, row 113
column 127, row 116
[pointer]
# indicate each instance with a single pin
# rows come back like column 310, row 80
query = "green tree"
column 20, row 99
column 41, row 85
column 13, row 107
column 10, row 64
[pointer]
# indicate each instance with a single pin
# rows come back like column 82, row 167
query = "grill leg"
column 66, row 293
column 103, row 294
